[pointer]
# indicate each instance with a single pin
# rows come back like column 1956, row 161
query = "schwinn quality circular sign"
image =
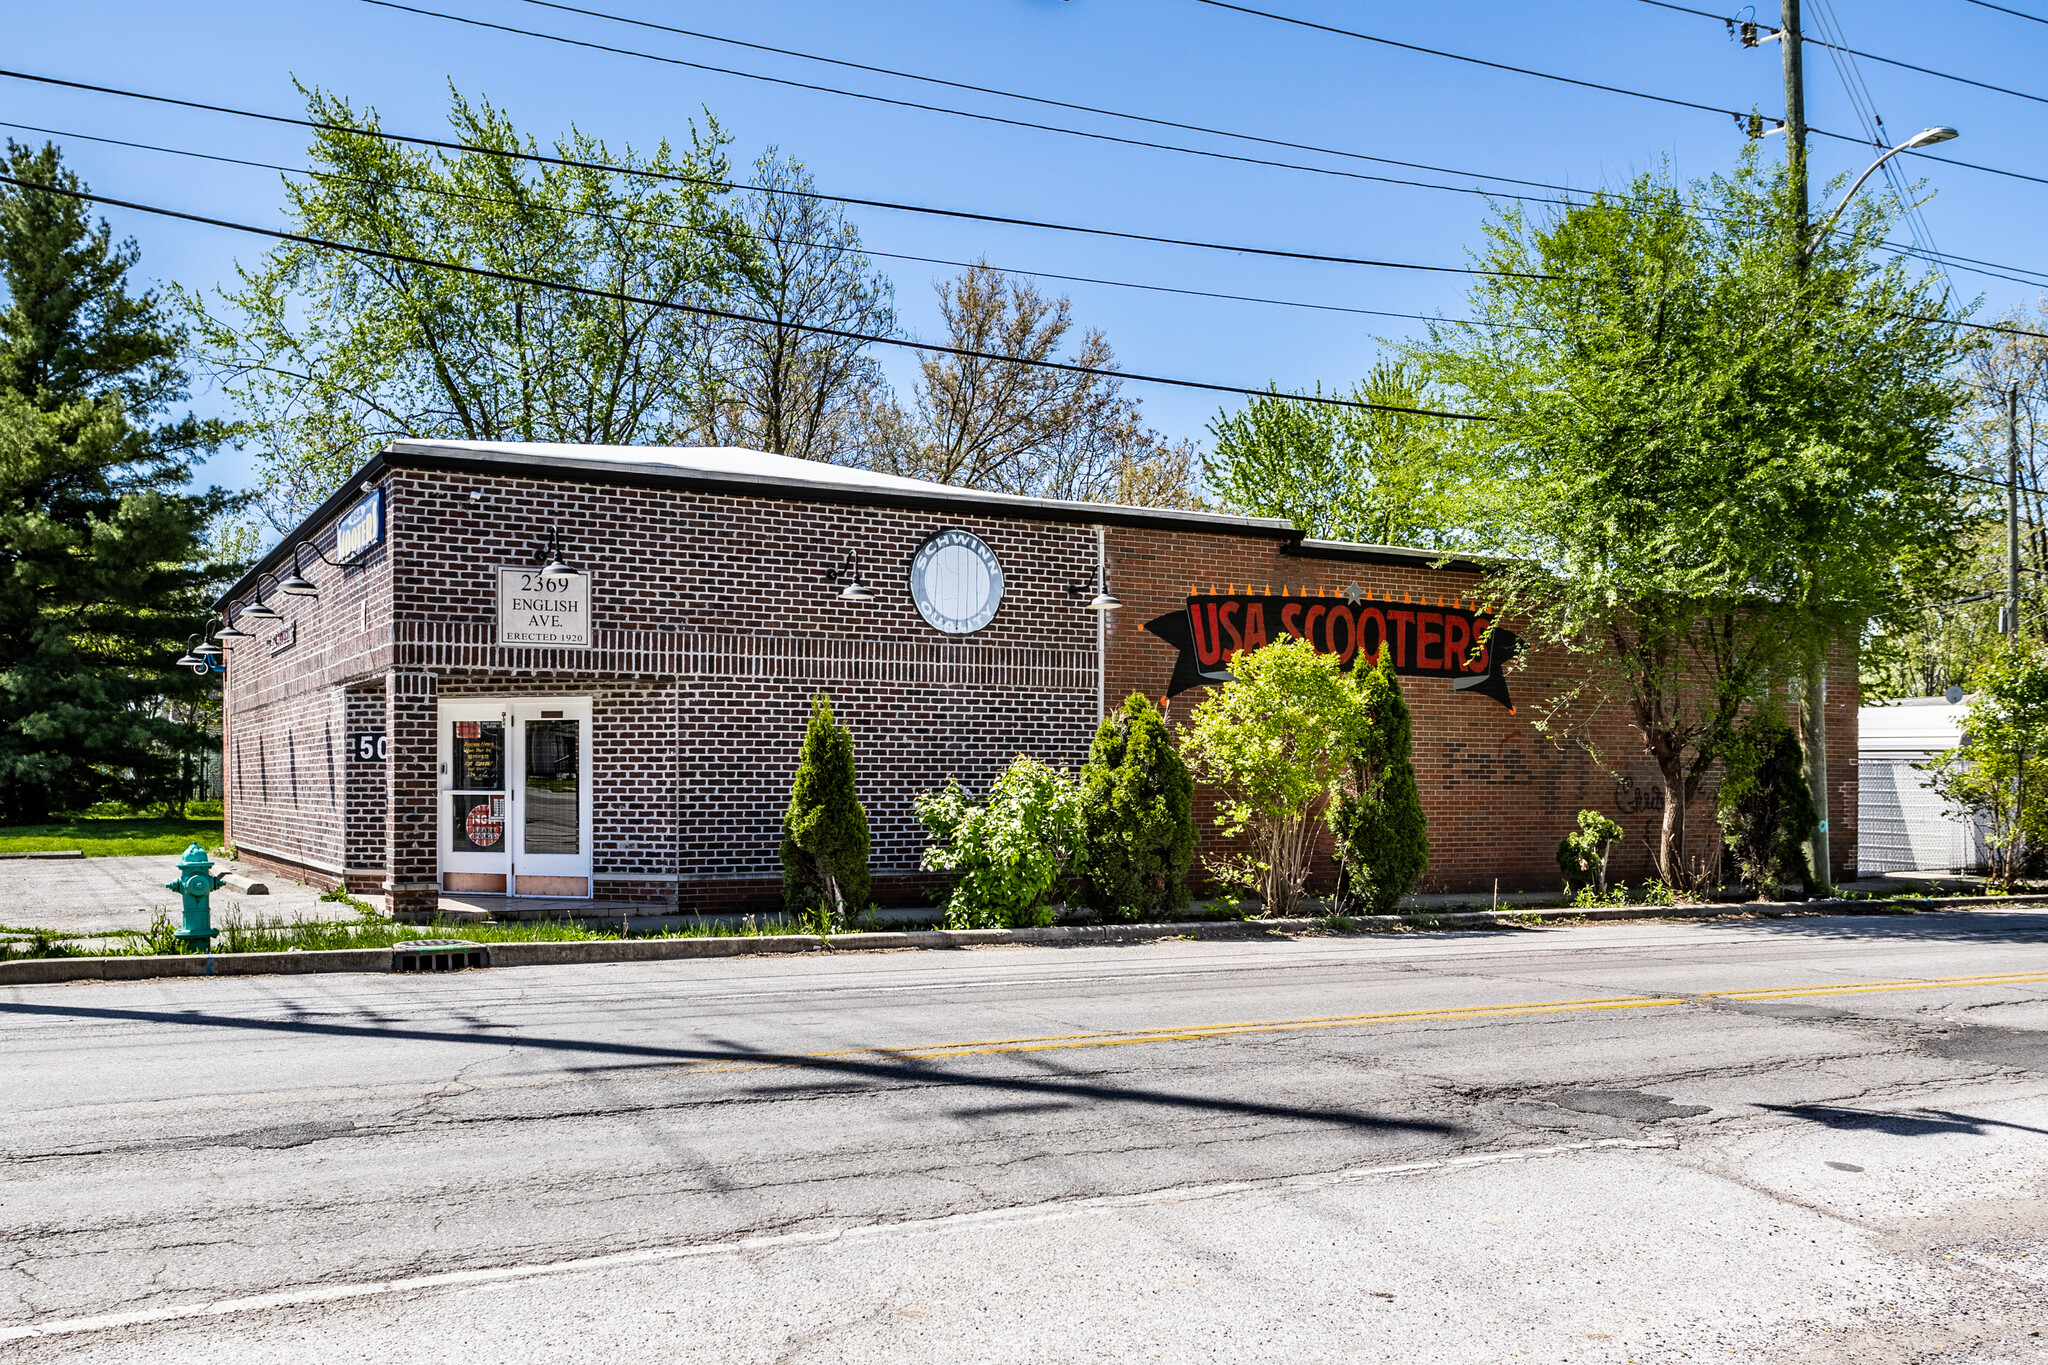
column 956, row 582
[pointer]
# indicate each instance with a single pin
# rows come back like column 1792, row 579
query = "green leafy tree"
column 1275, row 742
column 1712, row 454
column 1137, row 825
column 1582, row 855
column 330, row 354
column 1764, row 807
column 825, row 830
column 100, row 552
column 1382, row 833
column 2000, row 770
column 1385, row 478
column 1007, row 854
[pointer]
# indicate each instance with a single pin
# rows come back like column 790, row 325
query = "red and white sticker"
column 485, row 823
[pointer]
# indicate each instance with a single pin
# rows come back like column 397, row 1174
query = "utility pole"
column 1813, row 692
column 2010, row 622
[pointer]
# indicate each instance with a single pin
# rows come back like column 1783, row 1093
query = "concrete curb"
column 45, row 971
column 65, row 853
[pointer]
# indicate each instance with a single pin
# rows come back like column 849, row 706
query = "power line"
column 1853, row 52
column 827, row 246
column 2015, row 13
column 727, row 185
column 1739, row 116
column 1062, row 104
column 699, row 310
column 942, row 109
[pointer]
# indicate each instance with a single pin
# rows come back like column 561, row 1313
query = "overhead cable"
column 1855, row 52
column 727, row 185
column 1066, row 104
column 725, row 314
column 828, row 246
column 1740, row 116
column 2017, row 14
column 932, row 108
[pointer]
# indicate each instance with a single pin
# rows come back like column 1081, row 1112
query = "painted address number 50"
column 367, row 748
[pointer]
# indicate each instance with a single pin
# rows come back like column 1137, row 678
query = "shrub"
column 1137, row 825
column 1382, row 834
column 1274, row 741
column 1582, row 855
column 825, row 831
column 1007, row 854
column 1765, row 807
column 2000, row 771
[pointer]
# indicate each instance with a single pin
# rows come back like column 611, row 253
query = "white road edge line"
column 315, row 1295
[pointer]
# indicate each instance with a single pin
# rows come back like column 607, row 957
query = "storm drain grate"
column 438, row 955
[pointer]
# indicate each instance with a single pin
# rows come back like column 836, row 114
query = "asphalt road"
column 1790, row 1140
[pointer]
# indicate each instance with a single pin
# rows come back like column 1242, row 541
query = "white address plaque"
column 536, row 608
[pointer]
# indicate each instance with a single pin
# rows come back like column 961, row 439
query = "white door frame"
column 509, row 867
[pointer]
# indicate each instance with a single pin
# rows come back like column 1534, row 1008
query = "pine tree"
column 1138, row 829
column 825, row 831
column 1765, row 808
column 101, row 579
column 1382, row 834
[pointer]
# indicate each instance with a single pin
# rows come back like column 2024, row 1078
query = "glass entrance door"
column 515, row 797
column 551, row 803
column 476, row 799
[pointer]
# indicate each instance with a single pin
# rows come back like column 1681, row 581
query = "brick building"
column 571, row 671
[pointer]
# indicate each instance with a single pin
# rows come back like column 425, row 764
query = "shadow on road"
column 1915, row 1123
column 1965, row 926
column 878, row 1066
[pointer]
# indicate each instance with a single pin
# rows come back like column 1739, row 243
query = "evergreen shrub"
column 1137, row 822
column 1382, row 834
column 1765, row 807
column 825, row 830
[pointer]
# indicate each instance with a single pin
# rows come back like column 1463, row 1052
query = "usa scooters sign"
column 1427, row 639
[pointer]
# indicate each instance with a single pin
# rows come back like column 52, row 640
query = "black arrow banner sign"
column 1439, row 641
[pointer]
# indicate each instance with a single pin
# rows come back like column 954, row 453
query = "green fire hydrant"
column 197, row 882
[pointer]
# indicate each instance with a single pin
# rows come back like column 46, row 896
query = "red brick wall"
column 1498, row 794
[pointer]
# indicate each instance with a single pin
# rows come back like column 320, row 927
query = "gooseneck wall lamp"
column 855, row 590
column 1101, row 601
column 555, row 565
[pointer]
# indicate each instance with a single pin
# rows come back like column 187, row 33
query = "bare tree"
column 1019, row 428
column 773, row 385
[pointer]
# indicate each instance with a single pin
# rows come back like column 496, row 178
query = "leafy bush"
column 2000, row 771
column 1007, row 853
column 1274, row 742
column 825, row 831
column 1582, row 855
column 1382, row 834
column 1137, row 824
column 1765, row 807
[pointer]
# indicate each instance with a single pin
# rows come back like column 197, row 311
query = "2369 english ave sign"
column 536, row 608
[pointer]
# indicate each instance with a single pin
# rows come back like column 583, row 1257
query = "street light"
column 1813, row 710
column 1926, row 137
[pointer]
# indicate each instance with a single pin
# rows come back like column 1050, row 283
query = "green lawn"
column 112, row 836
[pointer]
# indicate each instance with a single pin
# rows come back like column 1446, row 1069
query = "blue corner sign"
column 362, row 529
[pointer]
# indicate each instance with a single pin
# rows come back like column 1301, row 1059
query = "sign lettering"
column 543, row 609
column 362, row 529
column 367, row 746
column 1427, row 641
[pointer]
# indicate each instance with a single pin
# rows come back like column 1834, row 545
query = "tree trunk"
column 1671, row 837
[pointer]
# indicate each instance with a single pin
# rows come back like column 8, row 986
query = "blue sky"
column 1174, row 59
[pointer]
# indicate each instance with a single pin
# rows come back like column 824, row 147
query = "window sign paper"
column 536, row 608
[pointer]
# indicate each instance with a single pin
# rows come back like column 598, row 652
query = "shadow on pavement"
column 1913, row 1123
column 1952, row 926
column 878, row 1066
